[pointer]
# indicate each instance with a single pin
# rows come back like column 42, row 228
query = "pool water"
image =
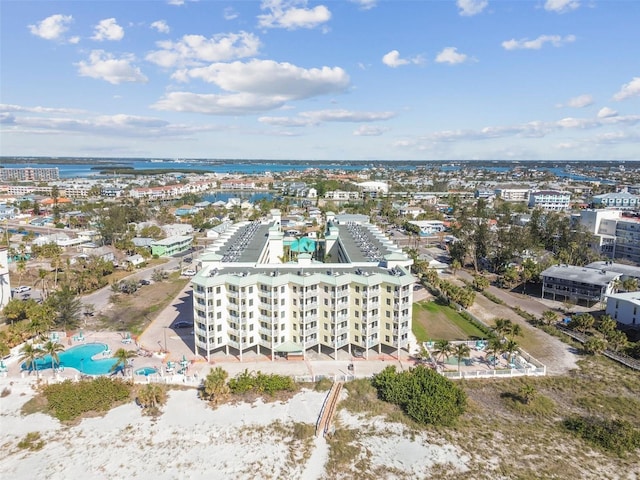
column 302, row 245
column 79, row 357
column 146, row 371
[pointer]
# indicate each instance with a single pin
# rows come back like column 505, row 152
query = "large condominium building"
column 29, row 174
column 260, row 290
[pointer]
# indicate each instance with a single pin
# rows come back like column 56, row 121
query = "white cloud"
column 193, row 50
column 74, row 40
column 607, row 112
column 451, row 56
column 255, row 86
column 561, row 6
column 366, row 4
column 230, row 14
column 176, row 3
column 469, row 8
column 267, row 77
column 5, row 107
column 369, row 131
column 580, row 101
column 316, row 117
column 533, row 129
column 538, row 43
column 286, row 14
column 52, row 28
column 108, row 29
column 393, row 60
column 161, row 26
column 105, row 66
column 630, row 89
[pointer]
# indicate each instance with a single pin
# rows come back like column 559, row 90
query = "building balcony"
column 340, row 331
column 310, row 331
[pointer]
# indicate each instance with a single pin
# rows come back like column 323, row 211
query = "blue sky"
column 336, row 80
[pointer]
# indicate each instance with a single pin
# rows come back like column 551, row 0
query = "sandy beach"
column 192, row 440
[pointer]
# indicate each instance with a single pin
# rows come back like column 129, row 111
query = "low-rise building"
column 171, row 245
column 577, row 284
column 617, row 200
column 552, row 200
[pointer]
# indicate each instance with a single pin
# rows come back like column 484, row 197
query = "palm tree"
column 52, row 348
column 510, row 348
column 122, row 357
column 494, row 349
column 549, row 317
column 214, row 387
column 443, row 349
column 29, row 355
column 527, row 393
column 460, row 351
column 502, row 326
column 151, row 396
column 455, row 266
column 630, row 284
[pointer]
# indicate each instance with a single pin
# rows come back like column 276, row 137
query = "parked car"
column 22, row 289
column 189, row 272
column 144, row 281
column 182, row 325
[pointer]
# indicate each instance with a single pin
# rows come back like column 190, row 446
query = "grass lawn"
column 432, row 321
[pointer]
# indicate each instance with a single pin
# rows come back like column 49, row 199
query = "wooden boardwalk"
column 323, row 426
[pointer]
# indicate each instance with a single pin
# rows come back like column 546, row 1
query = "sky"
column 325, row 80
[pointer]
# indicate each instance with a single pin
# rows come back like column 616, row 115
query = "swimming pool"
column 146, row 371
column 79, row 357
column 302, row 245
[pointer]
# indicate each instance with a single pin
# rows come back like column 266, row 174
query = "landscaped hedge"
column 68, row 400
column 423, row 394
column 260, row 383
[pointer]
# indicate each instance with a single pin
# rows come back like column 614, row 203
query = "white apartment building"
column 341, row 195
column 618, row 235
column 351, row 291
column 618, row 200
column 551, row 200
column 513, row 194
column 624, row 308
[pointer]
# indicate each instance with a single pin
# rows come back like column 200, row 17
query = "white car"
column 189, row 273
column 22, row 289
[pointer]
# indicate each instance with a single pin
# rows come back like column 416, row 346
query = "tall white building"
column 618, row 235
column 259, row 290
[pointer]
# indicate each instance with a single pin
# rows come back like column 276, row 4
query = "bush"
column 259, row 382
column 493, row 298
column 32, row 441
column 424, row 395
column 614, row 435
column 68, row 400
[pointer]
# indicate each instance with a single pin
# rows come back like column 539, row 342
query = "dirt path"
column 555, row 354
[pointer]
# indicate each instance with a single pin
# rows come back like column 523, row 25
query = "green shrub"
column 617, row 436
column 423, row 394
column 493, row 298
column 259, row 382
column 68, row 400
column 31, row 441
